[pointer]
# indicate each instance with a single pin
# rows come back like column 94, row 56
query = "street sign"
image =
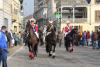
column 57, row 14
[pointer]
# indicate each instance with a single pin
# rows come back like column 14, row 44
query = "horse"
column 69, row 40
column 51, row 41
column 32, row 40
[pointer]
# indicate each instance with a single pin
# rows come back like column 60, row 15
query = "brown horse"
column 32, row 39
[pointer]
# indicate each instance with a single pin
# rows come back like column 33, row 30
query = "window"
column 15, row 28
column 15, row 11
column 97, row 1
column 97, row 16
column 97, row 28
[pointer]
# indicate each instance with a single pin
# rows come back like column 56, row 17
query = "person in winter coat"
column 3, row 47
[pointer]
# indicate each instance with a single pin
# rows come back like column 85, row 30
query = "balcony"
column 77, row 20
column 74, row 2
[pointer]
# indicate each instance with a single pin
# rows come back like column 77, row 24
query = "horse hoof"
column 32, row 58
column 71, row 51
column 53, row 57
column 50, row 55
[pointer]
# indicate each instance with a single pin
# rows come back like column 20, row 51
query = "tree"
column 21, row 1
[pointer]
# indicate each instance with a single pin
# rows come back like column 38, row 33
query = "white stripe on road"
column 15, row 53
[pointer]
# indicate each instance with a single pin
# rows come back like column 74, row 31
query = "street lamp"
column 73, row 14
column 73, row 7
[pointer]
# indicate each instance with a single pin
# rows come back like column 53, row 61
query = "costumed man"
column 67, row 30
column 35, row 30
column 35, row 26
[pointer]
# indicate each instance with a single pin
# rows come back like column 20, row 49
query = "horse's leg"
column 54, row 47
column 50, row 49
column 36, row 49
column 66, row 44
column 71, row 45
column 41, row 40
column 30, row 51
column 33, row 52
column 29, row 47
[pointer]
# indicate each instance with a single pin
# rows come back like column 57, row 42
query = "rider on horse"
column 51, row 39
column 32, row 36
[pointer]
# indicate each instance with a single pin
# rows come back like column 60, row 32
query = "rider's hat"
column 51, row 22
column 32, row 20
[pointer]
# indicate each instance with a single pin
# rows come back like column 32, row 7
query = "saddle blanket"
column 37, row 34
column 48, row 33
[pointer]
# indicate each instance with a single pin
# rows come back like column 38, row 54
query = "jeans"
column 85, row 43
column 88, row 42
column 95, row 44
column 60, row 42
column 3, row 57
column 99, row 44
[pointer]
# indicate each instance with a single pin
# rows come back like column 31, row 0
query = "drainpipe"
column 3, row 10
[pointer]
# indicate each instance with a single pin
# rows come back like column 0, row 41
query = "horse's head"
column 28, row 26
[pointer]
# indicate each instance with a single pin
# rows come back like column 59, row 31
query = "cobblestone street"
column 81, row 57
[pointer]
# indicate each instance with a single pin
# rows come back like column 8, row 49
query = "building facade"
column 95, row 14
column 10, row 14
column 5, row 13
column 80, row 13
column 16, row 16
column 40, row 11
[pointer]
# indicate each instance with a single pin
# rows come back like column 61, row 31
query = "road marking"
column 15, row 53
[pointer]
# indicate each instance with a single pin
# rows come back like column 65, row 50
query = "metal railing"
column 77, row 20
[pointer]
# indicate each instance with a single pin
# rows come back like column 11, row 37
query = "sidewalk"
column 12, row 50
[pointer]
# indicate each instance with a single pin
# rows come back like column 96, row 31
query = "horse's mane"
column 28, row 26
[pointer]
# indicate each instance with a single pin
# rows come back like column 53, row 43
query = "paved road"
column 81, row 57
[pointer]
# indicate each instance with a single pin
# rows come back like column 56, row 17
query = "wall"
column 5, row 12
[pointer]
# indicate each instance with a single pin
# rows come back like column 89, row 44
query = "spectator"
column 60, row 37
column 88, row 38
column 98, row 32
column 95, row 40
column 80, row 38
column 15, row 38
column 9, row 38
column 12, row 38
column 3, row 47
column 84, row 38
